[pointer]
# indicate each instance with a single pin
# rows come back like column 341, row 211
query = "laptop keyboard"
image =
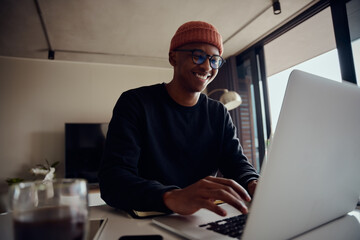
column 232, row 227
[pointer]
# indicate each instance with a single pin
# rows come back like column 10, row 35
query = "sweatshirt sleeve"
column 234, row 163
column 120, row 184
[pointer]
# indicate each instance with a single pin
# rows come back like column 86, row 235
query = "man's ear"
column 172, row 58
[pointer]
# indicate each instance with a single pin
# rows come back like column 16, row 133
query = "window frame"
column 256, row 55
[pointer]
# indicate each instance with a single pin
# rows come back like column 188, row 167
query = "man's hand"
column 203, row 193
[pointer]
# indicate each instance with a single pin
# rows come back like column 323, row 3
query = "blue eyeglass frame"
column 207, row 56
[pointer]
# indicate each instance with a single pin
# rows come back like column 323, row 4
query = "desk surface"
column 119, row 224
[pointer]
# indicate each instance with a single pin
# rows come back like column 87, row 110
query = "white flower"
column 39, row 171
column 50, row 175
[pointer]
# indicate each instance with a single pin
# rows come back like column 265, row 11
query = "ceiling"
column 131, row 32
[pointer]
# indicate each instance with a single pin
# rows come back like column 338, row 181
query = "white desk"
column 347, row 227
column 120, row 223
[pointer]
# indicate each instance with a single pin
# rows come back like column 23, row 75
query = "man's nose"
column 206, row 65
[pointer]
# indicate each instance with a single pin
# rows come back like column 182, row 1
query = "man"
column 165, row 141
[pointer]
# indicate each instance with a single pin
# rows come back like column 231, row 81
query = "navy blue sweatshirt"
column 155, row 145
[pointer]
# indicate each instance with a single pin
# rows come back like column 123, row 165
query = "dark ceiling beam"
column 51, row 54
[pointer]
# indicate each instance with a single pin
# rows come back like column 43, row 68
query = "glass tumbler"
column 56, row 209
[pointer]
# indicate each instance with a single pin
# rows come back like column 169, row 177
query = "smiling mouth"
column 202, row 76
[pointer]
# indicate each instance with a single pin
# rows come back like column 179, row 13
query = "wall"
column 38, row 96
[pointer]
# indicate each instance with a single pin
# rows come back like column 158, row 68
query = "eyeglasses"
column 199, row 57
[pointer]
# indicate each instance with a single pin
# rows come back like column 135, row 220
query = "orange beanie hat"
column 196, row 32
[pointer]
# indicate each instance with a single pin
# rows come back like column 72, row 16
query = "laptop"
column 312, row 172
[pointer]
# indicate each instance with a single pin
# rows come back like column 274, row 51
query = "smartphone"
column 141, row 237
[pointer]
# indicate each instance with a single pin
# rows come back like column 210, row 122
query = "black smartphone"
column 141, row 237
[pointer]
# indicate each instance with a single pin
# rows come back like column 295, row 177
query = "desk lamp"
column 230, row 99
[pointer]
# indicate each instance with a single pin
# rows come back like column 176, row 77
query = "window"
column 326, row 65
column 310, row 47
column 353, row 14
column 315, row 41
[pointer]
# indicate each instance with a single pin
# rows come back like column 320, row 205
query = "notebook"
column 311, row 174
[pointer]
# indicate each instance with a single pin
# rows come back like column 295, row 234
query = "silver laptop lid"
column 312, row 173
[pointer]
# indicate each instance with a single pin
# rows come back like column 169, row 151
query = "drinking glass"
column 56, row 209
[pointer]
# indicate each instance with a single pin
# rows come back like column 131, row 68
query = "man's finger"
column 214, row 208
column 221, row 194
column 211, row 185
column 234, row 185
